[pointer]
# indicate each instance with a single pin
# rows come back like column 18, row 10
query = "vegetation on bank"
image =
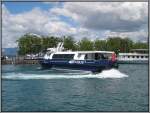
column 28, row 44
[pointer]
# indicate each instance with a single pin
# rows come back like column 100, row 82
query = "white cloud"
column 35, row 21
column 115, row 16
column 140, row 35
column 94, row 20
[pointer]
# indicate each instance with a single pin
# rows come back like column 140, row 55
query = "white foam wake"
column 113, row 73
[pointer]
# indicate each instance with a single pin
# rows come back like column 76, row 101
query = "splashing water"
column 112, row 73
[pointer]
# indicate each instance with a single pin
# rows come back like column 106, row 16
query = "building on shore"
column 136, row 56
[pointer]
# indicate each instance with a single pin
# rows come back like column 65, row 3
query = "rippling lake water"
column 29, row 88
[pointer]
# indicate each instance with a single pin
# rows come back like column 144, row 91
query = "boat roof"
column 85, row 52
column 95, row 51
column 139, row 49
column 126, row 54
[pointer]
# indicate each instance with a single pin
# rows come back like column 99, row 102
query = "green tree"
column 69, row 43
column 119, row 44
column 86, row 45
column 126, row 45
column 49, row 42
column 114, row 43
column 140, row 45
column 32, row 44
column 27, row 44
column 100, row 45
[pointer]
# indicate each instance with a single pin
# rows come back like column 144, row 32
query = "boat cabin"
column 80, row 55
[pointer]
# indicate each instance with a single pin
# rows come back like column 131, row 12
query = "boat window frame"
column 63, row 56
column 101, row 56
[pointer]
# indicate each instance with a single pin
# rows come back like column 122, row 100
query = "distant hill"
column 9, row 51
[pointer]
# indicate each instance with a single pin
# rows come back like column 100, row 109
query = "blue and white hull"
column 87, row 65
column 94, row 61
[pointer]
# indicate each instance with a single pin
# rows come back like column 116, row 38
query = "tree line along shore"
column 32, row 44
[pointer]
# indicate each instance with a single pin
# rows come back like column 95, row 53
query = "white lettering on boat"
column 76, row 62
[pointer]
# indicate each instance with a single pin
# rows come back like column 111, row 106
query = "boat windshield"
column 63, row 56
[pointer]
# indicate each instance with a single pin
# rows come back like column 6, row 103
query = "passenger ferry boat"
column 94, row 61
column 136, row 56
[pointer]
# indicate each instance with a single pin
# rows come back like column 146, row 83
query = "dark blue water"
column 28, row 88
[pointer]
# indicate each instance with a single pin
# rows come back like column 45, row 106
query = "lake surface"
column 29, row 88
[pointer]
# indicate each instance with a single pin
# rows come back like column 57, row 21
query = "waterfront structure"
column 136, row 56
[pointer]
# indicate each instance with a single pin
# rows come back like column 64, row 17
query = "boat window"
column 106, row 56
column 132, row 56
column 123, row 56
column 79, row 55
column 95, row 56
column 86, row 56
column 48, row 53
column 141, row 56
column 99, row 56
column 137, row 56
column 146, row 56
column 128, row 56
column 63, row 56
column 89, row 56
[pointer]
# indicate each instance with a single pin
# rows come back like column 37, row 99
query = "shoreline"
column 19, row 60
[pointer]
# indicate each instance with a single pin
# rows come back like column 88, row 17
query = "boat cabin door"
column 97, row 56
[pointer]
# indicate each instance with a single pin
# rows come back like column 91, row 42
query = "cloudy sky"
column 77, row 19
